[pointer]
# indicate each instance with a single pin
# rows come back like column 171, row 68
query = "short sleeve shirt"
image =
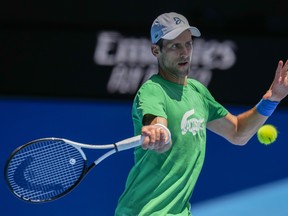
column 162, row 184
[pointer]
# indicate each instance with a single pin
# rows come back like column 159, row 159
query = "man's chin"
column 183, row 71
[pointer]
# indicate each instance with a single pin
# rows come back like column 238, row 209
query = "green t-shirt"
column 162, row 184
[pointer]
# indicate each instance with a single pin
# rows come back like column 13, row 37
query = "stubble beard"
column 176, row 70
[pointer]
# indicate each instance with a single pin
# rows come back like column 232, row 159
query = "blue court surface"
column 250, row 180
column 268, row 199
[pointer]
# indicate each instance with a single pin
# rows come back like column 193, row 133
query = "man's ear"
column 155, row 49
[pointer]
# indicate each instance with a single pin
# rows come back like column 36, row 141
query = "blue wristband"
column 266, row 107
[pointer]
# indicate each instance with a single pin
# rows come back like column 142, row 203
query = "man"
column 165, row 172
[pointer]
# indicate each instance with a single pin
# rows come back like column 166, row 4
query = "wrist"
column 266, row 107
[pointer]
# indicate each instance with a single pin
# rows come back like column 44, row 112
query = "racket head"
column 44, row 169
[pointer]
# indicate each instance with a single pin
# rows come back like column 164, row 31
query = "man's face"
column 175, row 55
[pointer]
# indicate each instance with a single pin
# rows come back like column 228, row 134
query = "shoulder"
column 154, row 83
column 198, row 86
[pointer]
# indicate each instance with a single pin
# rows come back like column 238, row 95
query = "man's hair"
column 160, row 44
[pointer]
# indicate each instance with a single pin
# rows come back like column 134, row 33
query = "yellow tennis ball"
column 267, row 134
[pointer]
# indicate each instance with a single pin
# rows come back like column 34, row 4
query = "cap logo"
column 177, row 20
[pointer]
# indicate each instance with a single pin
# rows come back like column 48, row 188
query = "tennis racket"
column 46, row 169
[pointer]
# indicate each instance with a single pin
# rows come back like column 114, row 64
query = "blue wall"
column 228, row 169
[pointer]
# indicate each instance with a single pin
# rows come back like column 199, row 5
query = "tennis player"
column 164, row 175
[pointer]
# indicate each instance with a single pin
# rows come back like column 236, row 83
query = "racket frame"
column 118, row 146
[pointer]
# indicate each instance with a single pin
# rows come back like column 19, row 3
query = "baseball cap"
column 169, row 25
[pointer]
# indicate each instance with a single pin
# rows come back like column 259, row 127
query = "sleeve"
column 150, row 99
column 216, row 110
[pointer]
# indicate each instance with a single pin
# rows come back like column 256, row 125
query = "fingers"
column 282, row 71
column 285, row 65
column 279, row 87
column 281, row 75
column 278, row 73
column 155, row 138
column 285, row 69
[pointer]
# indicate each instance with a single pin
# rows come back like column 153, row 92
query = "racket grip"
column 129, row 143
column 138, row 140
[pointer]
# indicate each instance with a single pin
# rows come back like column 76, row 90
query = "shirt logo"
column 190, row 124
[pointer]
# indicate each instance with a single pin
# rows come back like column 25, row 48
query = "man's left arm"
column 240, row 129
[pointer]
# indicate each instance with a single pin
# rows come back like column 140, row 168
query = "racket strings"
column 45, row 169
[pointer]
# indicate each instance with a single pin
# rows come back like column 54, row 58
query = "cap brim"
column 176, row 32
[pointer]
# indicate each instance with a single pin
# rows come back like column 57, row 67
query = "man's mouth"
column 182, row 64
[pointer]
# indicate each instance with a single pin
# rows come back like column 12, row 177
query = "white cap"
column 170, row 25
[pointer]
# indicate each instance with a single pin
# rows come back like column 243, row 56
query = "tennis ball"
column 267, row 134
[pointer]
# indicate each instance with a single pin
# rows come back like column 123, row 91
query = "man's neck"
column 173, row 78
